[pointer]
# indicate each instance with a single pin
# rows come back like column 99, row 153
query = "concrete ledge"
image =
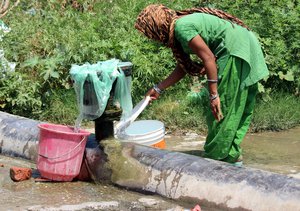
column 193, row 179
column 18, row 136
column 178, row 176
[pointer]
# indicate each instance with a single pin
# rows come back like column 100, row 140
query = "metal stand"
column 104, row 125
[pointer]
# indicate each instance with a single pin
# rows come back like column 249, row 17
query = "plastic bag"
column 93, row 84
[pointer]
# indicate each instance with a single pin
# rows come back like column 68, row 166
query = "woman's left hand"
column 215, row 105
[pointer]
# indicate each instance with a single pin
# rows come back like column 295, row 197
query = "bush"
column 47, row 37
column 19, row 95
column 279, row 113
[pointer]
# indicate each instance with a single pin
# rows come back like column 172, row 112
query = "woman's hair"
column 158, row 21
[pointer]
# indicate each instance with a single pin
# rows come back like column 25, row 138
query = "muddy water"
column 278, row 152
column 273, row 151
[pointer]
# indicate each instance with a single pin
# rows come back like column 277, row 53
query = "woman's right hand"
column 153, row 94
column 215, row 105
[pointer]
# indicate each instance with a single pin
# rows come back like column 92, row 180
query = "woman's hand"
column 215, row 105
column 202, row 71
column 154, row 95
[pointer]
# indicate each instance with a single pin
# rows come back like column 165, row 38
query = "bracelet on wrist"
column 213, row 97
column 212, row 81
column 158, row 90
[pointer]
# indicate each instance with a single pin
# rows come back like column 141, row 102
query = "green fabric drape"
column 237, row 104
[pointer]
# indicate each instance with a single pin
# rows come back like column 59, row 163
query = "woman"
column 232, row 61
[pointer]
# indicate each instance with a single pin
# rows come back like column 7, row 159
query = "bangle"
column 213, row 97
column 212, row 81
column 158, row 90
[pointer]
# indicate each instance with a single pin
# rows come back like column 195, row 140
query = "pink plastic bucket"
column 60, row 151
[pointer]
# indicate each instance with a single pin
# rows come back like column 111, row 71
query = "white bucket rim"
column 160, row 127
column 146, row 141
column 141, row 137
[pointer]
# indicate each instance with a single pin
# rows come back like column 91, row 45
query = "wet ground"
column 272, row 151
column 32, row 195
column 276, row 151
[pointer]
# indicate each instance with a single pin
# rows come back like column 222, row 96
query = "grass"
column 63, row 108
column 280, row 113
column 176, row 114
column 180, row 114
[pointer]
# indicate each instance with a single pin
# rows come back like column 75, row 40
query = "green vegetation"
column 281, row 112
column 277, row 24
column 47, row 37
column 62, row 107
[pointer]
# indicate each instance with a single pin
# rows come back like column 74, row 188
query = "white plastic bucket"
column 145, row 132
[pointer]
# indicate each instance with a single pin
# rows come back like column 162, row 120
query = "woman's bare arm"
column 200, row 48
column 173, row 78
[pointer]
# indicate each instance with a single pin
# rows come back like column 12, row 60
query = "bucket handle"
column 44, row 156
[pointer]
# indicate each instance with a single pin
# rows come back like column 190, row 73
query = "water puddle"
column 277, row 151
column 272, row 151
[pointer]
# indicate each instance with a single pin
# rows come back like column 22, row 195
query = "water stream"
column 78, row 123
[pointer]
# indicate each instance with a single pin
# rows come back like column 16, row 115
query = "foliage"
column 279, row 113
column 19, row 95
column 63, row 104
column 47, row 37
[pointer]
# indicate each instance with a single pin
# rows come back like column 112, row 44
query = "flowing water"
column 273, row 151
column 78, row 123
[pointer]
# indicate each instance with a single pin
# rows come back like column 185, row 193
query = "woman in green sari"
column 232, row 61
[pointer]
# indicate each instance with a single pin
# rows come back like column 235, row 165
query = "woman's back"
column 223, row 38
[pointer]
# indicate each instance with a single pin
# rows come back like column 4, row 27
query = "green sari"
column 240, row 66
column 237, row 104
